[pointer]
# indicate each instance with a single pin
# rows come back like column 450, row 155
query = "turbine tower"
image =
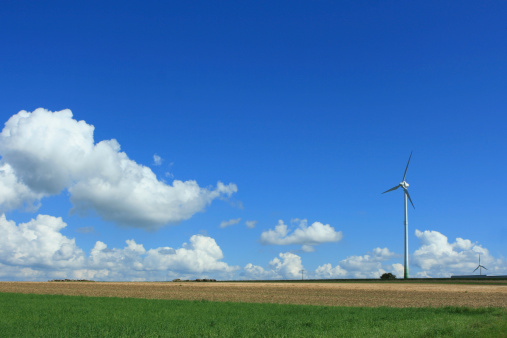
column 404, row 186
column 480, row 267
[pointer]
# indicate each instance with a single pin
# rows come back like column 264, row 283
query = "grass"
column 29, row 315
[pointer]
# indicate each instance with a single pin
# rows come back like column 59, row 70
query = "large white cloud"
column 439, row 258
column 38, row 243
column 46, row 152
column 288, row 266
column 201, row 255
column 304, row 235
column 37, row 250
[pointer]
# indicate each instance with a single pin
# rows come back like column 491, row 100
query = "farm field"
column 32, row 315
column 401, row 295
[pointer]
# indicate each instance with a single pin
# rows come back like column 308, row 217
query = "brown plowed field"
column 334, row 294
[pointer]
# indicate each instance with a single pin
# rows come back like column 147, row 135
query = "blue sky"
column 304, row 111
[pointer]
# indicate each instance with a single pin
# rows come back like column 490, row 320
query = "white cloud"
column 37, row 250
column 439, row 258
column 255, row 272
column 46, row 152
column 201, row 256
column 144, row 201
column 327, row 271
column 307, row 248
column 251, row 224
column 47, row 149
column 436, row 257
column 230, row 222
column 38, row 243
column 397, row 269
column 14, row 194
column 288, row 266
column 157, row 160
column 304, row 235
column 17, row 273
column 366, row 266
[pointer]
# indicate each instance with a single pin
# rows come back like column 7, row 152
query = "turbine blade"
column 475, row 269
column 396, row 187
column 408, row 195
column 484, row 268
column 405, row 174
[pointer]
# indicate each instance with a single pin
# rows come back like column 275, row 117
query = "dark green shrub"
column 388, row 275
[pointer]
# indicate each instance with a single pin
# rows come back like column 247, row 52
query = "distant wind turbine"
column 480, row 267
column 404, row 186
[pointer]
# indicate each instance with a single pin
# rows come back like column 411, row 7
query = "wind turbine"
column 404, row 186
column 480, row 267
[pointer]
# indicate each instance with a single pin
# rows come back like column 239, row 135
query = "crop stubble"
column 334, row 294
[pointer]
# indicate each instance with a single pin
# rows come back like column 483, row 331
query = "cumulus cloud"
column 397, row 269
column 15, row 194
column 46, row 152
column 327, row 271
column 255, row 272
column 367, row 266
column 437, row 257
column 17, row 273
column 286, row 266
column 251, row 224
column 201, row 256
column 230, row 222
column 370, row 265
column 37, row 250
column 304, row 235
column 38, row 243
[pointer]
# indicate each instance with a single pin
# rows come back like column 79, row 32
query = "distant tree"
column 388, row 275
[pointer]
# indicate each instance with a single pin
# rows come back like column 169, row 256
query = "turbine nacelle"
column 403, row 184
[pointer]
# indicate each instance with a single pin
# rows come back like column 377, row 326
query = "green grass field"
column 29, row 315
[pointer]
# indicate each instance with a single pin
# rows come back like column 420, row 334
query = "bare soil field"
column 333, row 294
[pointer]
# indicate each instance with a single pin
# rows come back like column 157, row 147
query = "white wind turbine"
column 404, row 186
column 480, row 267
